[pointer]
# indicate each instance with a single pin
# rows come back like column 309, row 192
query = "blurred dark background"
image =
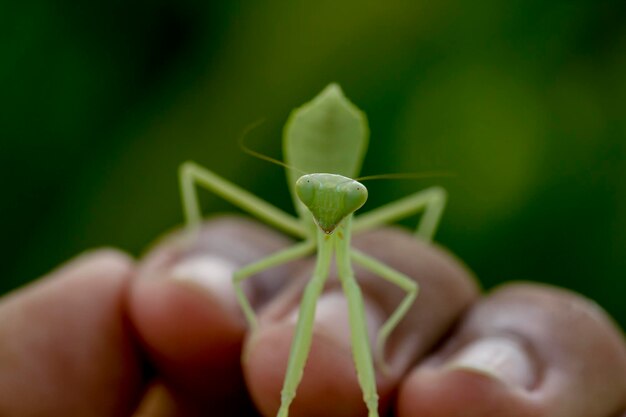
column 524, row 100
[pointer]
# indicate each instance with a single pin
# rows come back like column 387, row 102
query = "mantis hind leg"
column 192, row 174
column 431, row 200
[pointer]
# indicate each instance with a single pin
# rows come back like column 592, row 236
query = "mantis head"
column 330, row 198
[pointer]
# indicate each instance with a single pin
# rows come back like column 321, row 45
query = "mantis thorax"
column 330, row 198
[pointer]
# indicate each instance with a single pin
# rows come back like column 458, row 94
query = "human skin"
column 105, row 335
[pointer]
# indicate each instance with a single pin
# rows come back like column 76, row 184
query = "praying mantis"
column 326, row 139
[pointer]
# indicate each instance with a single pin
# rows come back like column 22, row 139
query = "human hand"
column 103, row 334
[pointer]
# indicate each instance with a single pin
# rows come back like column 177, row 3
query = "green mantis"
column 327, row 139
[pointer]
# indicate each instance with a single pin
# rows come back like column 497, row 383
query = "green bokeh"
column 524, row 101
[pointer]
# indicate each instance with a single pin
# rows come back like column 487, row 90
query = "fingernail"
column 332, row 320
column 211, row 274
column 498, row 357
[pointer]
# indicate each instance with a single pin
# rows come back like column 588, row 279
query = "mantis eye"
column 306, row 187
column 355, row 196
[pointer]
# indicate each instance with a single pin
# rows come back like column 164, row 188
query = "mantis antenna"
column 245, row 148
column 406, row 176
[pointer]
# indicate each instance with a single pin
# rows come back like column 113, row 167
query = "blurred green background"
column 524, row 100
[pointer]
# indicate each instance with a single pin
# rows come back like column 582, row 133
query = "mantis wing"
column 329, row 134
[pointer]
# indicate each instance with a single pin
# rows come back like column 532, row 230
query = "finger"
column 184, row 308
column 158, row 402
column 525, row 350
column 64, row 349
column 329, row 386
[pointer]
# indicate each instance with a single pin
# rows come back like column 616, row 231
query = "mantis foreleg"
column 431, row 200
column 397, row 278
column 304, row 329
column 358, row 328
